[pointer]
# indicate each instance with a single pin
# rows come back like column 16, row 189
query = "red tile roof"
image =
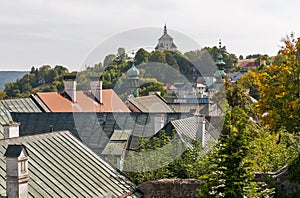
column 247, row 63
column 56, row 102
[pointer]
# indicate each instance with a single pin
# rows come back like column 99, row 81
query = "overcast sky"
column 64, row 32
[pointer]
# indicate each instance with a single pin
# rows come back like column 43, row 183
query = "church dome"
column 133, row 72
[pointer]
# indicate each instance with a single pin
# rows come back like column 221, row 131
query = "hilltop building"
column 165, row 42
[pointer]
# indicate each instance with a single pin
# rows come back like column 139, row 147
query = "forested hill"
column 10, row 76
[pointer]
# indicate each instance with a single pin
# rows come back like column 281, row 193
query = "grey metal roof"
column 186, row 108
column 94, row 129
column 117, row 144
column 5, row 118
column 152, row 103
column 21, row 105
column 39, row 103
column 120, row 135
column 187, row 100
column 189, row 129
column 115, row 148
column 61, row 166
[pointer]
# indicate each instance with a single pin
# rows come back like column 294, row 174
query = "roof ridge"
column 39, row 135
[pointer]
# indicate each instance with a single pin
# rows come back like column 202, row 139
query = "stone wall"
column 286, row 187
column 175, row 188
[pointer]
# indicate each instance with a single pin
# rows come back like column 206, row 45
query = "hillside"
column 10, row 76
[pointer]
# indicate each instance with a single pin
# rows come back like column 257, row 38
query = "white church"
column 165, row 42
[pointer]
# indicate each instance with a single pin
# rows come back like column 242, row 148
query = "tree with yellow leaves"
column 279, row 89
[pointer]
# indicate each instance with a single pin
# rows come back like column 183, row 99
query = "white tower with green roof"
column 133, row 80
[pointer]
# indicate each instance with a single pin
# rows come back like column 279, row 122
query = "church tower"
column 219, row 74
column 133, row 80
column 165, row 42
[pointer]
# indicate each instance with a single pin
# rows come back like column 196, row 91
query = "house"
column 30, row 104
column 189, row 105
column 171, row 89
column 149, row 104
column 193, row 128
column 96, row 130
column 95, row 100
column 238, row 76
column 246, row 63
column 57, row 164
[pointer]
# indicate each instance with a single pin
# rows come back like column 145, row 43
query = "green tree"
column 2, row 95
column 279, row 88
column 181, row 162
column 157, row 57
column 61, row 70
column 171, row 59
column 230, row 175
column 148, row 85
column 44, row 78
column 229, row 59
column 237, row 96
column 141, row 56
column 121, row 55
column 270, row 152
column 109, row 59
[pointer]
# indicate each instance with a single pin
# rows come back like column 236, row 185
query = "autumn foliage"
column 279, row 89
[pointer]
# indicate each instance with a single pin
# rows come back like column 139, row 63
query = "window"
column 23, row 166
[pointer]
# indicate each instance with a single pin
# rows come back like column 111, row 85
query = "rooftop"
column 189, row 129
column 152, row 103
column 61, row 166
column 86, row 102
column 94, row 129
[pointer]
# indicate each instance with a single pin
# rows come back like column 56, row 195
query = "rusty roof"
column 86, row 102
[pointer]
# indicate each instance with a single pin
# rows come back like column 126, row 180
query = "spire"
column 220, row 63
column 165, row 29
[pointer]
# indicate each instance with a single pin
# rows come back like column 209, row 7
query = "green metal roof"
column 133, row 72
column 61, row 166
column 220, row 74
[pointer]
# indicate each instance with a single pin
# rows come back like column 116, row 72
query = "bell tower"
column 133, row 80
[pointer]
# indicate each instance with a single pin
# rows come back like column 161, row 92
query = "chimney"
column 16, row 171
column 201, row 129
column 70, row 86
column 96, row 87
column 11, row 130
